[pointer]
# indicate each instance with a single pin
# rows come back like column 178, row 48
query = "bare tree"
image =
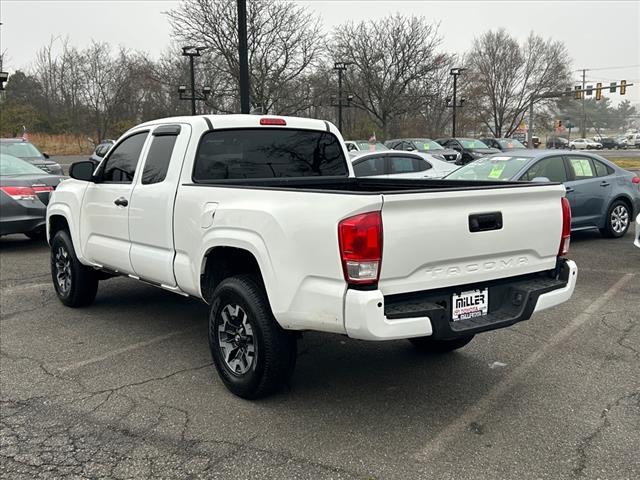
column 389, row 58
column 284, row 42
column 508, row 75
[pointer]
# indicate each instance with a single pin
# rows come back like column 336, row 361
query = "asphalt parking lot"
column 125, row 389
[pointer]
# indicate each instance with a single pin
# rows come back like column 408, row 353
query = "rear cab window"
column 268, row 153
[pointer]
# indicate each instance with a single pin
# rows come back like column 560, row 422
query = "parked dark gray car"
column 424, row 145
column 602, row 195
column 24, row 195
column 17, row 147
column 101, row 150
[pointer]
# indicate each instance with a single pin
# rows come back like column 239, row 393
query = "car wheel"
column 618, row 220
column 431, row 345
column 40, row 234
column 76, row 285
column 572, row 147
column 253, row 355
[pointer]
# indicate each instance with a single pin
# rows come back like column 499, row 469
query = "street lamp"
column 455, row 72
column 192, row 52
column 341, row 67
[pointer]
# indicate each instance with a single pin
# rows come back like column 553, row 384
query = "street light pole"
column 193, row 87
column 455, row 72
column 340, row 67
column 243, row 56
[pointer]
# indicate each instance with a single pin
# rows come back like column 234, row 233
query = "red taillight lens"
column 42, row 188
column 566, row 228
column 360, row 239
column 20, row 193
column 272, row 121
column 635, row 180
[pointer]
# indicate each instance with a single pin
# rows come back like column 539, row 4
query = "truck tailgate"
column 428, row 242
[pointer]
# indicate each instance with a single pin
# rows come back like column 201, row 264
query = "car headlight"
column 439, row 157
column 458, row 156
column 476, row 154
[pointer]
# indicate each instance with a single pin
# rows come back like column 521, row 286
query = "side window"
column 157, row 163
column 551, row 167
column 351, row 147
column 582, row 167
column 602, row 170
column 407, row 165
column 369, row 167
column 102, row 150
column 121, row 164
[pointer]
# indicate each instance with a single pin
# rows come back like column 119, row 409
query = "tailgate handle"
column 483, row 222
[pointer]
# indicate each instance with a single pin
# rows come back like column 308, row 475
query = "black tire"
column 430, row 345
column 82, row 285
column 613, row 229
column 273, row 359
column 38, row 235
column 572, row 147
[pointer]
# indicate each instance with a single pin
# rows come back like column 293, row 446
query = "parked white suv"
column 263, row 219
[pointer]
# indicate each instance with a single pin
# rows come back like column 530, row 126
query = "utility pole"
column 243, row 56
column 583, row 130
column 455, row 72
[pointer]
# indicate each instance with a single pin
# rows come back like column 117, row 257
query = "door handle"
column 121, row 202
column 569, row 189
column 604, row 183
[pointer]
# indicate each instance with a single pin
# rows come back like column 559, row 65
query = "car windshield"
column 471, row 143
column 501, row 167
column 19, row 149
column 10, row 165
column 373, row 147
column 510, row 143
column 425, row 144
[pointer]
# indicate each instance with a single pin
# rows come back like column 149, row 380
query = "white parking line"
column 119, row 351
column 486, row 403
column 29, row 286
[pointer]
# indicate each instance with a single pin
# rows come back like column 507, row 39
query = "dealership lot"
column 125, row 389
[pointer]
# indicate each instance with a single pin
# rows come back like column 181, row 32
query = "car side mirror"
column 82, row 170
column 541, row 179
column 45, row 155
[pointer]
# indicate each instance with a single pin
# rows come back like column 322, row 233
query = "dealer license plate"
column 470, row 304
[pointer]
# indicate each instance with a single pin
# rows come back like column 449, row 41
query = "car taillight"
column 272, row 121
column 360, row 239
column 42, row 188
column 20, row 193
column 636, row 180
column 566, row 227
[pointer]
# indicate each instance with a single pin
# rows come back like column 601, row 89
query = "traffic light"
column 578, row 93
column 589, row 90
column 598, row 91
column 612, row 87
column 623, row 87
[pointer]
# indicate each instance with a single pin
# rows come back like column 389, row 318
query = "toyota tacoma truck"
column 263, row 219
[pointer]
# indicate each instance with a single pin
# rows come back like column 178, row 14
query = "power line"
column 619, row 67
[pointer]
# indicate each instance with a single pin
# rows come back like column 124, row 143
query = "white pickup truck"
column 262, row 218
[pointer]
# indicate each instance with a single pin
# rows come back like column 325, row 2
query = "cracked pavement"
column 125, row 389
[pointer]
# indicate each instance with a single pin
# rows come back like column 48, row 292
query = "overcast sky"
column 599, row 35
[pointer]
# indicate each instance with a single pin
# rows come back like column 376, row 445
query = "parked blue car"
column 602, row 195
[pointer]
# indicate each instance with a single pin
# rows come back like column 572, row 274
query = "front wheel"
column 572, row 147
column 431, row 345
column 76, row 285
column 617, row 221
column 254, row 356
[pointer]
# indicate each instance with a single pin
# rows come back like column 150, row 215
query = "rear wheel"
column 431, row 345
column 254, row 356
column 75, row 284
column 617, row 221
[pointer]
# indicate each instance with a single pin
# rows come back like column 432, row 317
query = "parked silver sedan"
column 400, row 164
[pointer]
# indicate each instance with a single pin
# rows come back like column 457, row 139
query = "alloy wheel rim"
column 236, row 339
column 619, row 219
column 63, row 270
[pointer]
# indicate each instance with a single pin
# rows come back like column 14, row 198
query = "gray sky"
column 598, row 34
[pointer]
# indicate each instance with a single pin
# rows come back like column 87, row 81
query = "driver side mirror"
column 45, row 155
column 82, row 170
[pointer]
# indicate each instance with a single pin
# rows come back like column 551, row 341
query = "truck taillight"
column 566, row 227
column 360, row 239
column 20, row 193
column 272, row 121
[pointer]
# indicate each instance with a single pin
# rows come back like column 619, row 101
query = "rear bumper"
column 371, row 316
